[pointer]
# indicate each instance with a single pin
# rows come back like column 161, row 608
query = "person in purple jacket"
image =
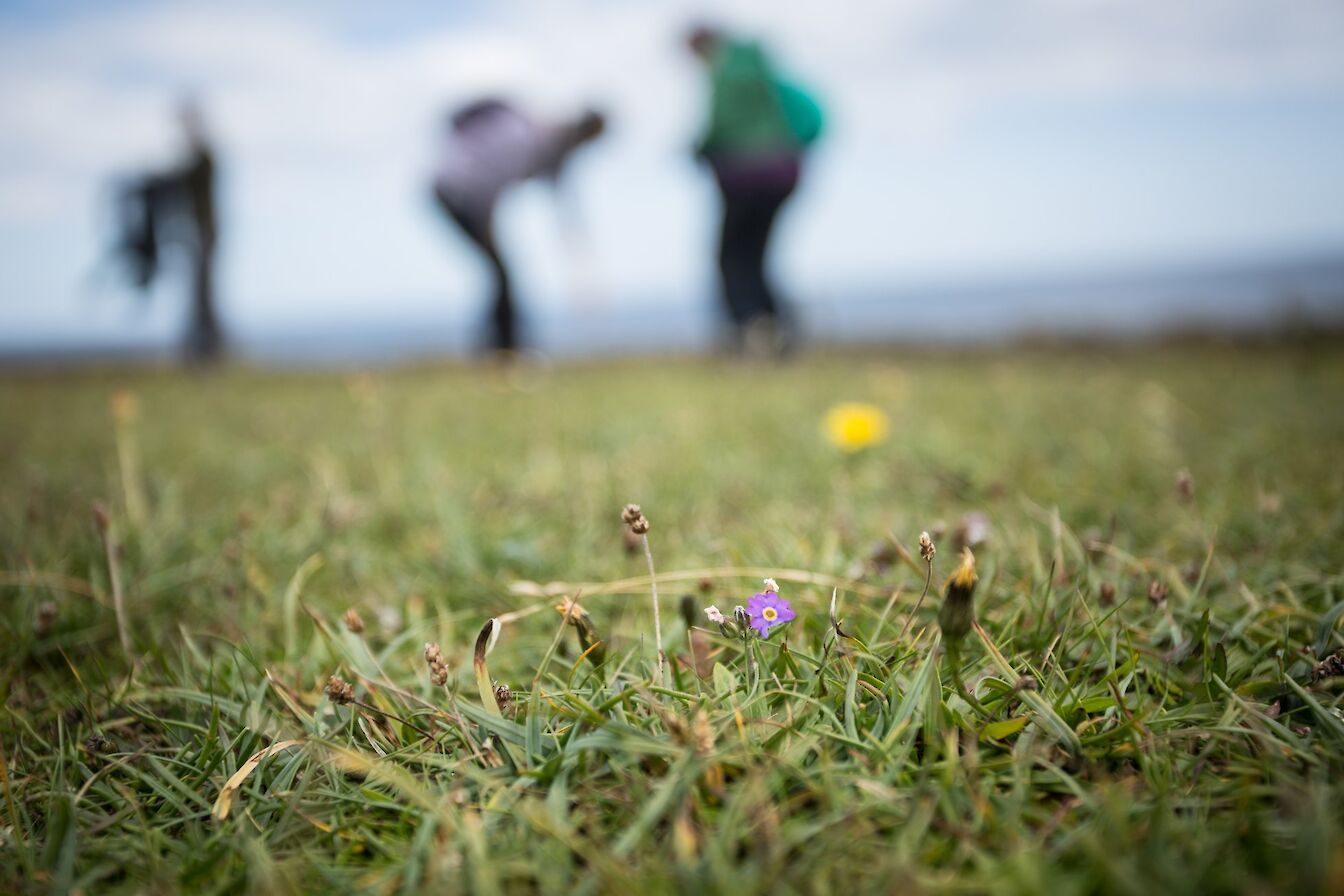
column 489, row 146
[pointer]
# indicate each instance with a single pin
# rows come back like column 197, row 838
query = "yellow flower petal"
column 853, row 425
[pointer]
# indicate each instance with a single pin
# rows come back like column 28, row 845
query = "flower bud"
column 958, row 611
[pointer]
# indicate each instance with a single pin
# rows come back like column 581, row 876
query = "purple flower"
column 767, row 610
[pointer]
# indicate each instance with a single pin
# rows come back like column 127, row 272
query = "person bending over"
column 489, row 146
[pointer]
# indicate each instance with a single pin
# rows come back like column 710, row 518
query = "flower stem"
column 657, row 620
column 909, row 620
column 954, row 662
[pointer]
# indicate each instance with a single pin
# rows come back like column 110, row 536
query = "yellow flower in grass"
column 853, row 425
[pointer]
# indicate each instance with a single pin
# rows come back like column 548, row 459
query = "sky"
column 965, row 141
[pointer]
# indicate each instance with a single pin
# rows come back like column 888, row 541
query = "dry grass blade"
column 225, row 799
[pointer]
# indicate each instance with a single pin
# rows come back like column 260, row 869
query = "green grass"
column 1178, row 746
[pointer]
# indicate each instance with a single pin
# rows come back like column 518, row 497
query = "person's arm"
column 558, row 142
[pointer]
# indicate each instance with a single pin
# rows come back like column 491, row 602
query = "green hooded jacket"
column 751, row 111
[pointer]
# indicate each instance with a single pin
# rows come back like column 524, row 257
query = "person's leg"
column 204, row 342
column 735, row 261
column 478, row 226
column 758, row 226
column 502, row 314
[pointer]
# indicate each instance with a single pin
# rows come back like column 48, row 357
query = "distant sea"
column 1239, row 300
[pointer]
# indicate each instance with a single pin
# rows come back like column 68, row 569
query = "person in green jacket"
column 754, row 141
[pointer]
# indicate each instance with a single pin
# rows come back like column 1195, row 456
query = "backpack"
column 801, row 111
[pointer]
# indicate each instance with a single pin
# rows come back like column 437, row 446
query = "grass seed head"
column 46, row 617
column 1157, row 592
column 702, row 733
column 1330, row 667
column 633, row 517
column 96, row 743
column 339, row 691
column 438, row 668
column 1185, row 485
column 926, row 547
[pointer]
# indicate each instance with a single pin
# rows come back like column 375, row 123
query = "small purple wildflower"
column 767, row 610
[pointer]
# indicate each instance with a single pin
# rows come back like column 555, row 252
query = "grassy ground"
column 1122, row 745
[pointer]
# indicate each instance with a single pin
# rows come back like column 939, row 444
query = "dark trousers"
column 749, row 212
column 204, row 341
column 478, row 226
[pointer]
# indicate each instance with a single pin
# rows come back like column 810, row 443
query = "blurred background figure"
column 758, row 130
column 1119, row 169
column 489, row 146
column 175, row 209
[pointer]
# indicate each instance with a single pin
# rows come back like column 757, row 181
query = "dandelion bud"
column 926, row 548
column 570, row 610
column 958, row 611
column 577, row 616
column 339, row 691
column 687, row 607
column 353, row 621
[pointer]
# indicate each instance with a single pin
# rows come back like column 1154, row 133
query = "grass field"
column 1150, row 703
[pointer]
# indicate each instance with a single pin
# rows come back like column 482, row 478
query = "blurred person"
column 756, row 135
column 489, row 146
column 176, row 208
